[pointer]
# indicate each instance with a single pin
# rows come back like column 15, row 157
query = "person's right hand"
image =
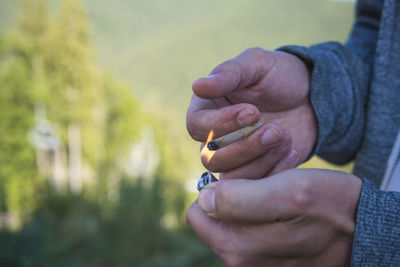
column 303, row 217
column 269, row 86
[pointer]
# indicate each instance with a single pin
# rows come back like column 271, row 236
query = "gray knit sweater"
column 355, row 91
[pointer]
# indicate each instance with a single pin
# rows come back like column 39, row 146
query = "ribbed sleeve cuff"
column 377, row 234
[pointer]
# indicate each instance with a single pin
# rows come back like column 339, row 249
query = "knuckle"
column 282, row 148
column 193, row 131
column 226, row 66
column 212, row 119
column 232, row 252
column 254, row 51
column 215, row 164
column 287, row 137
column 302, row 194
column 211, row 165
column 233, row 260
column 286, row 141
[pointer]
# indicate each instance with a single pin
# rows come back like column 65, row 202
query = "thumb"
column 240, row 72
column 250, row 201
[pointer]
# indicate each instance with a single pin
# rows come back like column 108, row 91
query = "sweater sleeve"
column 340, row 78
column 376, row 239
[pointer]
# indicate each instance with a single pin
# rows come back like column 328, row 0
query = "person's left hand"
column 298, row 217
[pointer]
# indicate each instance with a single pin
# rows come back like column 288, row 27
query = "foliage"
column 72, row 231
column 16, row 118
column 49, row 62
column 117, row 220
column 160, row 47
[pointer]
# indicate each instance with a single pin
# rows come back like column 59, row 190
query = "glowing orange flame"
column 205, row 152
column 210, row 136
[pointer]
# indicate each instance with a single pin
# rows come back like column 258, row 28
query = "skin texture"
column 260, row 213
column 300, row 217
column 258, row 85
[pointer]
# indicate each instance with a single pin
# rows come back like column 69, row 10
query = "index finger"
column 241, row 72
column 204, row 116
column 225, row 238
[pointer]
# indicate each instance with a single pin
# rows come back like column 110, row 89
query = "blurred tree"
column 68, row 230
column 17, row 158
column 50, row 85
column 94, row 119
column 122, row 123
column 33, row 25
column 75, row 95
column 18, row 173
column 33, row 19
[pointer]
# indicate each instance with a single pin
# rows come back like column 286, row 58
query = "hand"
column 269, row 86
column 299, row 217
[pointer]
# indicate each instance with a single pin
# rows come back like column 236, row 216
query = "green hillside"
column 92, row 174
column 162, row 46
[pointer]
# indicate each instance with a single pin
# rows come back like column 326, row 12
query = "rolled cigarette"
column 232, row 137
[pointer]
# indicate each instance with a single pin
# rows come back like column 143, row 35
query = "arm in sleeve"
column 340, row 78
column 377, row 234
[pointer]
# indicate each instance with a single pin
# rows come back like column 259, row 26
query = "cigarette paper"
column 232, row 137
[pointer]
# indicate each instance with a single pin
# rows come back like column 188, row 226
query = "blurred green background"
column 96, row 168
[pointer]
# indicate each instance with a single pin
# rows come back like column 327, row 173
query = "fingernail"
column 207, row 200
column 246, row 117
column 291, row 158
column 271, row 137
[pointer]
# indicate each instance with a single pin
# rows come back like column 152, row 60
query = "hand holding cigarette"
column 232, row 137
column 257, row 86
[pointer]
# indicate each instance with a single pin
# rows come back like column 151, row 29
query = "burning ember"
column 206, row 152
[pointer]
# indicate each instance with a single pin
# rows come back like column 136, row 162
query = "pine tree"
column 75, row 96
column 50, row 66
column 18, row 54
column 32, row 27
column 33, row 20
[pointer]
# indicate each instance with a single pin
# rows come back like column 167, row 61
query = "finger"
column 268, row 138
column 262, row 166
column 289, row 161
column 238, row 73
column 227, row 239
column 277, row 198
column 206, row 228
column 201, row 120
